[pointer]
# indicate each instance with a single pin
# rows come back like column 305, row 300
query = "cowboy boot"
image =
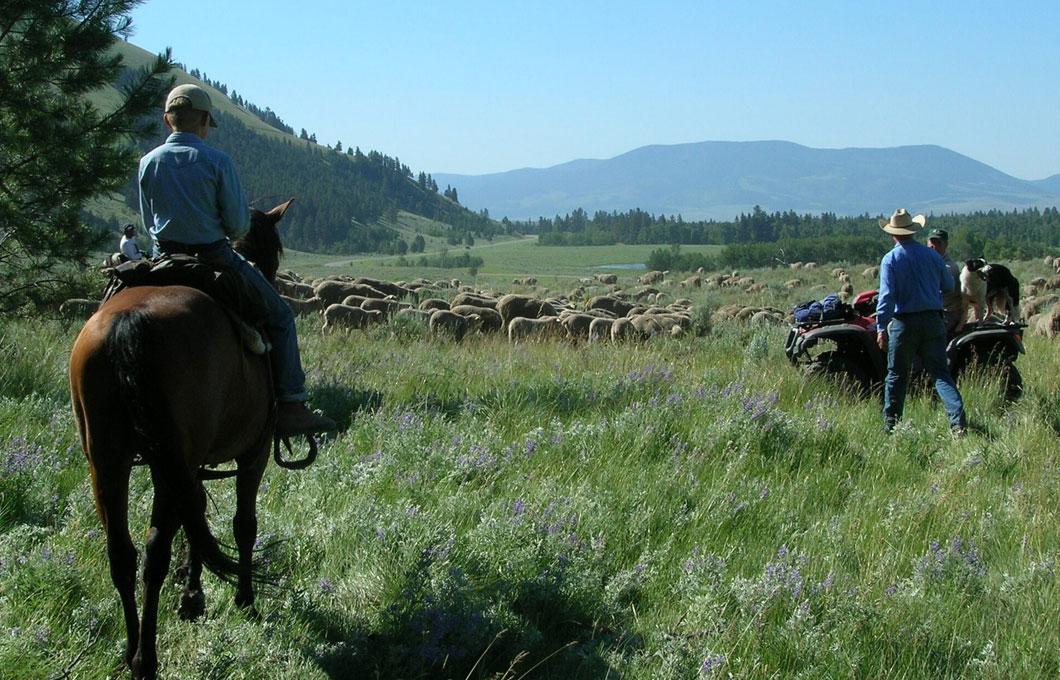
column 294, row 418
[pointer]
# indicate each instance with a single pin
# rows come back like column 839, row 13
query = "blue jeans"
column 287, row 373
column 923, row 335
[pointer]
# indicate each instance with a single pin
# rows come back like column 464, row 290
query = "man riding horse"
column 192, row 203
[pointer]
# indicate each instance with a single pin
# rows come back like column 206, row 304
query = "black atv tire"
column 1010, row 377
column 1012, row 381
column 843, row 370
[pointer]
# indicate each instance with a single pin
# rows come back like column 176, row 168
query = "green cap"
column 939, row 235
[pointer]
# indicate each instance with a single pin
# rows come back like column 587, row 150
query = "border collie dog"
column 988, row 289
column 1002, row 292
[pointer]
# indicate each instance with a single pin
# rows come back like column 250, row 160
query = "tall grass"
column 680, row 509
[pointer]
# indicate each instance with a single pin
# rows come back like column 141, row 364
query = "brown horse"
column 159, row 375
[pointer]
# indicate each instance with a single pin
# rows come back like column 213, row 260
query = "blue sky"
column 474, row 87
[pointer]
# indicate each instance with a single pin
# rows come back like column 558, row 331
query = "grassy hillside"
column 347, row 202
column 679, row 509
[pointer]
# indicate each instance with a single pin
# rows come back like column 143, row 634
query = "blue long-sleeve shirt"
column 190, row 192
column 913, row 278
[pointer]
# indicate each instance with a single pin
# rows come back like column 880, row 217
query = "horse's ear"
column 277, row 212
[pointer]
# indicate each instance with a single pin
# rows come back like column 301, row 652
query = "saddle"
column 242, row 303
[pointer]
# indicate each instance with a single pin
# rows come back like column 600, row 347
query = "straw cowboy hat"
column 901, row 224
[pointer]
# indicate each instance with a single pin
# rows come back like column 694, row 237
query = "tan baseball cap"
column 192, row 97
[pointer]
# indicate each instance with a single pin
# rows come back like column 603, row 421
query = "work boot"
column 294, row 418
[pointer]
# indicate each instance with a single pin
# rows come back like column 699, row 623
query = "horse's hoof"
column 249, row 610
column 144, row 670
column 192, row 605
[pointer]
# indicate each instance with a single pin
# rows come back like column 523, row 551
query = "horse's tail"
column 126, row 348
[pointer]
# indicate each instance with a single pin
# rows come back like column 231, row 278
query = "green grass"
column 679, row 509
column 504, row 258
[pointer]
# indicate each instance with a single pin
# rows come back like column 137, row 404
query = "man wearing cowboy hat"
column 909, row 319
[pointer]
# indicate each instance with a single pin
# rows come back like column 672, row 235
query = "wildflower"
column 21, row 456
column 518, row 507
column 326, row 586
column 712, row 663
column 408, row 421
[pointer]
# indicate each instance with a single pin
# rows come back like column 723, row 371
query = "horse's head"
column 262, row 245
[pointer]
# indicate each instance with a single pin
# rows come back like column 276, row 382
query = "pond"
column 629, row 265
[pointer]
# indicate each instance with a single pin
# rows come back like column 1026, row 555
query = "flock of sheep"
column 346, row 302
column 651, row 307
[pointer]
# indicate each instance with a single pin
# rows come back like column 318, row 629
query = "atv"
column 845, row 349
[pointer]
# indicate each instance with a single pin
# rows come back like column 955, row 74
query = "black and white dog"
column 989, row 288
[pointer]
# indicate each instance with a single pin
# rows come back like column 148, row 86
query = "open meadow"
column 503, row 259
column 687, row 507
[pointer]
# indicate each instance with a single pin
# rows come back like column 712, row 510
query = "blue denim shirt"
column 190, row 193
column 913, row 278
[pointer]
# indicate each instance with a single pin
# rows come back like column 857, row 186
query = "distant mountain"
column 346, row 200
column 720, row 180
column 1049, row 184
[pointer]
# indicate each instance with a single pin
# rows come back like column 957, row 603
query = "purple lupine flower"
column 408, row 421
column 712, row 663
column 20, row 455
column 518, row 507
column 326, row 586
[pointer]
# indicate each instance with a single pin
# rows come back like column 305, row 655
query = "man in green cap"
column 939, row 241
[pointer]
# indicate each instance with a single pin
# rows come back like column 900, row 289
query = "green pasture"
column 503, row 259
column 684, row 508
